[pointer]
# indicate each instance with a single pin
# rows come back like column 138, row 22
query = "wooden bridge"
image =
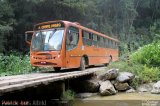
column 18, row 82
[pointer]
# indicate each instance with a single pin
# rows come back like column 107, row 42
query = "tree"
column 6, row 22
column 133, row 22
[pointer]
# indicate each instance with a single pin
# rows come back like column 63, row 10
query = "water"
column 121, row 99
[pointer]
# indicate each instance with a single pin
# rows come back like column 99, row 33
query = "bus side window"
column 87, row 38
column 101, row 42
column 84, row 37
column 72, row 38
column 116, row 45
column 90, row 39
column 94, row 42
column 106, row 43
column 98, row 41
column 109, row 43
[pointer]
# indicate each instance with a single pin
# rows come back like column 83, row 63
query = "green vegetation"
column 149, row 54
column 68, row 95
column 14, row 63
column 124, row 66
column 144, row 63
column 149, row 74
column 149, row 57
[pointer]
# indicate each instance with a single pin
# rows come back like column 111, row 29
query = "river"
column 121, row 99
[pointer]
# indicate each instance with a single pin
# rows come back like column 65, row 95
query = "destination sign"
column 49, row 26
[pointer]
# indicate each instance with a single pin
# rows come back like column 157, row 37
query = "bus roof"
column 67, row 23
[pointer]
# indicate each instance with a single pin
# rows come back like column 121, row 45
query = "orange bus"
column 64, row 44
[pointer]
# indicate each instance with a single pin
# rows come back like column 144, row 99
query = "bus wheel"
column 57, row 68
column 82, row 64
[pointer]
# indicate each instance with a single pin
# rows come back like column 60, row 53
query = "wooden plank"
column 20, row 82
column 35, row 83
column 25, row 79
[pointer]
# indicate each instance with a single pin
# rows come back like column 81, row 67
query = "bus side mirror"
column 28, row 37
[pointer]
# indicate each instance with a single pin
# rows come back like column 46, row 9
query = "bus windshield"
column 47, row 40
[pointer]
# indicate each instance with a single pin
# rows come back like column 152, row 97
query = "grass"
column 124, row 66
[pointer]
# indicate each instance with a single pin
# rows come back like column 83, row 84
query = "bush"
column 149, row 55
column 149, row 74
column 14, row 64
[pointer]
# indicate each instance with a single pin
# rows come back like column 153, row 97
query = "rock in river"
column 110, row 74
column 125, row 77
column 131, row 90
column 121, row 86
column 156, row 88
column 145, row 87
column 106, row 88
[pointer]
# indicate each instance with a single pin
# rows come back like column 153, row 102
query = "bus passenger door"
column 72, row 49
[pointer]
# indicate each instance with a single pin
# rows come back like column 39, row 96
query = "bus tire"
column 57, row 68
column 82, row 64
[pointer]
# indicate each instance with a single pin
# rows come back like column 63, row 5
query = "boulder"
column 131, row 90
column 90, row 85
column 121, row 86
column 145, row 87
column 109, row 75
column 106, row 88
column 156, row 88
column 125, row 77
column 113, row 82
